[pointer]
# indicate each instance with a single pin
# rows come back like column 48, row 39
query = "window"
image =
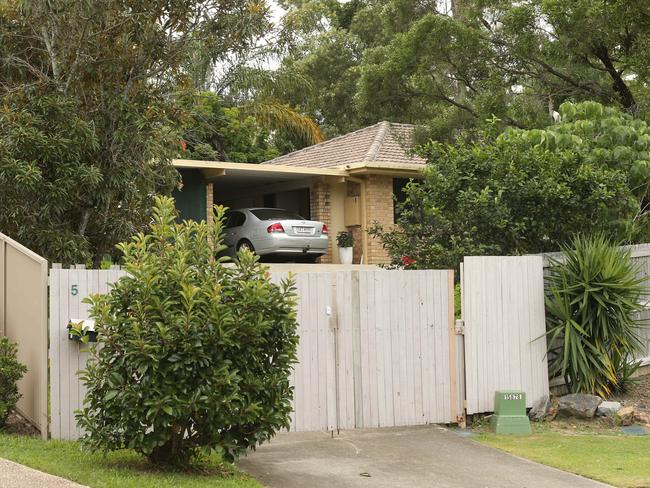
column 275, row 214
column 234, row 219
column 399, row 196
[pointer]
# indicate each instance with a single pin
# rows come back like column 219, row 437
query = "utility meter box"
column 352, row 212
column 510, row 413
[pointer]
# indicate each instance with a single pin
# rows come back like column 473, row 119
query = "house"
column 348, row 182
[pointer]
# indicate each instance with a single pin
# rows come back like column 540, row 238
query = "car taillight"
column 277, row 227
column 324, row 231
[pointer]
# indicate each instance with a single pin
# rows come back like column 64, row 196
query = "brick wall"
column 209, row 202
column 379, row 201
column 320, row 205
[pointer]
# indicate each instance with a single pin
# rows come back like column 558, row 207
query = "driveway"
column 14, row 475
column 427, row 456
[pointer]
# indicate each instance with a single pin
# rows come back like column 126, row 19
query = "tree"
column 525, row 191
column 89, row 122
column 216, row 132
column 413, row 61
column 192, row 354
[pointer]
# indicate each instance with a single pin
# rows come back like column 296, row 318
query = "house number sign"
column 74, row 290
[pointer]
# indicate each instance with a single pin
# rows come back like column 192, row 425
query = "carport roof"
column 214, row 169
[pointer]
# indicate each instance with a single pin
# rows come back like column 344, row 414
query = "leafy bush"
column 526, row 191
column 10, row 372
column 191, row 355
column 344, row 239
column 594, row 297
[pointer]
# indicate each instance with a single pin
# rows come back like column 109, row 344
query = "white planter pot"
column 345, row 255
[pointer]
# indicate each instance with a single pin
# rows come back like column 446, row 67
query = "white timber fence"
column 504, row 325
column 377, row 348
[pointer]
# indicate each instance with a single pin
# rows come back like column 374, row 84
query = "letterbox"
column 510, row 413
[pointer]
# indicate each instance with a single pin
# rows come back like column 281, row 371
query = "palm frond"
column 275, row 115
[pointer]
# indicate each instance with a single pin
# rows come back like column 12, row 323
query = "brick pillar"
column 379, row 208
column 209, row 202
column 354, row 190
column 320, row 206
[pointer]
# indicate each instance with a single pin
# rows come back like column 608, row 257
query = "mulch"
column 17, row 425
column 638, row 395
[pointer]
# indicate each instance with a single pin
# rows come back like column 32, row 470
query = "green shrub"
column 192, row 355
column 344, row 239
column 594, row 297
column 10, row 372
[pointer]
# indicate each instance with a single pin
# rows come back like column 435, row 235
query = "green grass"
column 121, row 469
column 615, row 459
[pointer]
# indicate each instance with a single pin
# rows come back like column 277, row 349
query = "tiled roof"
column 384, row 142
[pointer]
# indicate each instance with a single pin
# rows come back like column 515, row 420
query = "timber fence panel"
column 68, row 289
column 374, row 350
column 503, row 313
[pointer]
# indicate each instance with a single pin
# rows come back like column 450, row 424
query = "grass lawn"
column 123, row 469
column 607, row 456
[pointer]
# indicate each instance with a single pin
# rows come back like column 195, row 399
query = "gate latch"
column 459, row 327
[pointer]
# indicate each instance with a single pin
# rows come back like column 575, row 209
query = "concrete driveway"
column 14, row 475
column 427, row 456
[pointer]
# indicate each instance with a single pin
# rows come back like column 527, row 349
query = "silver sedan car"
column 275, row 232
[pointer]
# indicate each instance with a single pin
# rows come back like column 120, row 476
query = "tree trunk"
column 624, row 93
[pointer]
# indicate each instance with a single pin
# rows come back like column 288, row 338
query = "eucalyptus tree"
column 452, row 69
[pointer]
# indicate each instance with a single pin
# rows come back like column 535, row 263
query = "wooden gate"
column 377, row 348
column 504, row 323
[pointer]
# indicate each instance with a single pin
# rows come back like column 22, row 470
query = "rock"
column 608, row 409
column 540, row 409
column 642, row 418
column 578, row 405
column 625, row 415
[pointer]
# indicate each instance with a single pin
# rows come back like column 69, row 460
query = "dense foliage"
column 452, row 65
column 526, row 191
column 191, row 354
column 10, row 372
column 594, row 298
column 216, row 132
column 89, row 121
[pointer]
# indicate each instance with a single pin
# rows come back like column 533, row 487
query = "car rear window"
column 275, row 214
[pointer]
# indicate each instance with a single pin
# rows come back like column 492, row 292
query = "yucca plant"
column 594, row 296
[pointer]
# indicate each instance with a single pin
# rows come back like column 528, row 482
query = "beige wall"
column 23, row 319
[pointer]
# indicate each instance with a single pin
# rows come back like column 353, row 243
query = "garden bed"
column 638, row 396
column 596, row 448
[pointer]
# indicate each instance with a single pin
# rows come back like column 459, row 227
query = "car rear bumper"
column 284, row 244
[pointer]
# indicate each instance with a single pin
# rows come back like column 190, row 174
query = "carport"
column 314, row 193
column 348, row 182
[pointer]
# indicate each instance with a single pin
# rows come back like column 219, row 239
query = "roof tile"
column 384, row 142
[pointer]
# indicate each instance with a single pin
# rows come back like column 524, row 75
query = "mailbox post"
column 510, row 413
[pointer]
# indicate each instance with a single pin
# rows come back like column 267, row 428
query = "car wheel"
column 245, row 245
